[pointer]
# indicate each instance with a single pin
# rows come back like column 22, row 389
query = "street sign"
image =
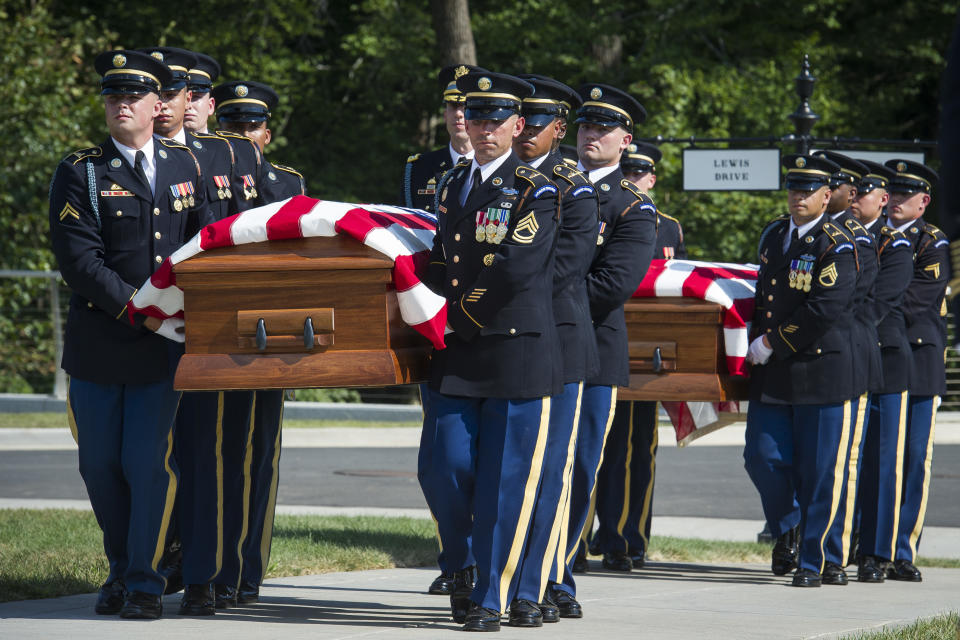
column 731, row 169
column 882, row 156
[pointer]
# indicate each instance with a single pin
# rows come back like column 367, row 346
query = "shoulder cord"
column 407, row 196
column 92, row 188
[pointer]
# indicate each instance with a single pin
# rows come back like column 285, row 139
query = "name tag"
column 116, row 193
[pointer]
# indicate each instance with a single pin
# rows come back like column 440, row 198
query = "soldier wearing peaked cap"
column 545, row 122
column 626, row 233
column 868, row 368
column 924, row 313
column 487, row 404
column 625, row 483
column 878, row 498
column 802, row 380
column 117, row 211
column 423, row 170
column 200, row 81
column 233, row 103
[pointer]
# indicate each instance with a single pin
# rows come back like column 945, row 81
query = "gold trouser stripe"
column 71, row 419
column 247, row 462
column 529, row 499
column 648, row 496
column 266, row 537
column 565, row 528
column 852, row 468
column 560, row 523
column 625, row 511
column 898, row 485
column 219, row 457
column 838, row 465
column 588, row 523
column 927, row 463
column 168, row 502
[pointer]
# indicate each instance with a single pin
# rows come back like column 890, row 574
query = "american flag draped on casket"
column 406, row 237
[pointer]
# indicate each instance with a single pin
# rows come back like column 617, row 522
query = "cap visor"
column 493, row 113
column 538, row 119
column 792, row 184
column 598, row 120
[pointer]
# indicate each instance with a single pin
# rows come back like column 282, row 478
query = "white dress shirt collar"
column 536, row 162
column 149, row 161
column 801, row 230
column 596, row 175
column 456, row 155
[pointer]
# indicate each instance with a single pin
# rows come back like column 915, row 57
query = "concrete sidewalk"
column 674, row 601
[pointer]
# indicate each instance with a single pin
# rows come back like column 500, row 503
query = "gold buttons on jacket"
column 457, row 237
column 157, row 235
column 158, row 259
column 770, row 298
column 769, row 314
column 156, row 211
column 456, row 258
column 455, row 282
column 513, row 331
column 773, row 281
column 119, row 213
column 819, row 350
column 90, row 305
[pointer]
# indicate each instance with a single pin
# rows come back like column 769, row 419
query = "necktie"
column 794, row 237
column 138, row 167
column 477, row 178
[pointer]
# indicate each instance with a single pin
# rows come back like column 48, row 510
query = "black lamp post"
column 804, row 118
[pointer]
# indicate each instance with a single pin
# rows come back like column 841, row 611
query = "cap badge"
column 241, row 90
column 901, row 167
column 115, row 163
column 595, row 93
column 484, row 84
column 801, row 162
column 119, row 60
column 158, row 55
column 459, row 72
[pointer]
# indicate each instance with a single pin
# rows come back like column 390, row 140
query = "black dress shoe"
column 460, row 596
column 869, row 570
column 226, row 596
column 833, row 574
column 248, row 593
column 198, row 600
column 524, row 613
column 171, row 566
column 783, row 560
column 482, row 619
column 618, row 561
column 143, row 606
column 548, row 608
column 904, row 570
column 110, row 599
column 567, row 605
column 638, row 558
column 806, row 578
column 580, row 560
column 442, row 585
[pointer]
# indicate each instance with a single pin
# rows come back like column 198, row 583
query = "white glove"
column 168, row 329
column 759, row 353
column 447, row 330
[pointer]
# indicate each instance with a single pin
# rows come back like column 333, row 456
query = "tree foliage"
column 358, row 90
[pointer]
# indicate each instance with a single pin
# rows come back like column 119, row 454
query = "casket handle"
column 657, row 361
column 308, row 333
column 291, row 330
column 261, row 335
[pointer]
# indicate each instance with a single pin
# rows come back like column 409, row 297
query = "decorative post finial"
column 804, row 118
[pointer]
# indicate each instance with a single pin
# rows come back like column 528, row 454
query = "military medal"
column 190, row 197
column 177, row 204
column 603, row 227
column 248, row 190
column 221, row 182
column 793, row 274
column 480, row 227
column 502, row 229
column 491, row 227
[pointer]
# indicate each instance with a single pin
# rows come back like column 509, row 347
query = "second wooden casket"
column 312, row 312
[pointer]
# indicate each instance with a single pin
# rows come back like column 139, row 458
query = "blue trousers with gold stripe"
column 480, row 465
column 881, row 474
column 550, row 513
column 205, row 420
column 264, row 476
column 625, row 484
column 795, row 456
column 840, row 537
column 596, row 414
column 125, row 438
column 917, row 463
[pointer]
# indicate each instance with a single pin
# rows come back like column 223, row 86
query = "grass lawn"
column 943, row 627
column 59, row 421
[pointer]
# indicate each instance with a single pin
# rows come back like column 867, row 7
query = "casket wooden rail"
column 322, row 312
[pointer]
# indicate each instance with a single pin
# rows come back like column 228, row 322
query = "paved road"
column 704, row 481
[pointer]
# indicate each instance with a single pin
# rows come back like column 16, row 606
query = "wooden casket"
column 323, row 312
column 311, row 312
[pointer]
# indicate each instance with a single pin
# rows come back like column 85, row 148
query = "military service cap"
column 244, row 101
column 609, row 107
column 203, row 73
column 851, row 171
column 640, row 157
column 877, row 177
column 179, row 61
column 130, row 72
column 911, row 177
column 448, row 77
column 551, row 99
column 493, row 96
column 808, row 173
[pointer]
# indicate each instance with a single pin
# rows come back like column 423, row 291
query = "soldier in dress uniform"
column 802, row 380
column 868, row 367
column 250, row 117
column 626, row 234
column 117, row 211
column 487, row 404
column 878, row 499
column 248, row 158
column 418, row 188
column 200, row 79
column 626, row 479
column 545, row 124
column 924, row 311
